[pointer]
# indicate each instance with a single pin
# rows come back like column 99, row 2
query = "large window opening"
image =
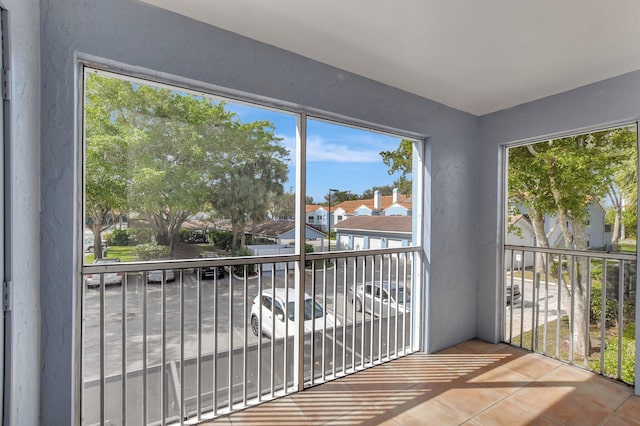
column 191, row 275
column 570, row 249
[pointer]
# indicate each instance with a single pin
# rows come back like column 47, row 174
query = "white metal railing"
column 575, row 306
column 161, row 344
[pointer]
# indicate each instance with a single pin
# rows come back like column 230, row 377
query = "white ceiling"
column 478, row 56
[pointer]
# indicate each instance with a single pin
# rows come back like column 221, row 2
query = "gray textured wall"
column 135, row 34
column 607, row 102
column 23, row 201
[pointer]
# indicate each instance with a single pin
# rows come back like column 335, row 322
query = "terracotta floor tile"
column 627, row 414
column 509, row 414
column 559, row 404
column 340, row 398
column 501, row 380
column 588, row 385
column 283, row 411
column 429, row 412
column 469, row 400
column 476, row 346
column 531, row 365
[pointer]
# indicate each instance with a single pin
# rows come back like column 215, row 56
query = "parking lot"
column 221, row 341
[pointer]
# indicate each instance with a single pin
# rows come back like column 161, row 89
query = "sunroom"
column 114, row 110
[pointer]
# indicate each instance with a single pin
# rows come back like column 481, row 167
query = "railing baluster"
column 272, row 342
column 199, row 346
column 124, row 349
column 372, row 318
column 381, row 273
column 546, row 302
column 353, row 323
column 620, row 316
column 214, row 355
column 362, row 326
column 145, row 346
column 324, row 318
column 230, row 344
column 163, row 351
column 285, row 363
column 335, row 316
column 510, row 297
column 395, row 304
column 312, row 342
column 534, row 304
column 102, row 350
column 588, row 315
column 572, row 302
column 559, row 315
column 182, row 381
column 603, row 317
column 259, row 336
column 245, row 295
column 345, row 264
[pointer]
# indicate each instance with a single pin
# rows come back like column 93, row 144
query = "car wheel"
column 358, row 305
column 255, row 327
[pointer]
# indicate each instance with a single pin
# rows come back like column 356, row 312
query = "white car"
column 109, row 278
column 284, row 320
column 381, row 299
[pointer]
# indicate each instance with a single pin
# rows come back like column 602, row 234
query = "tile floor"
column 473, row 383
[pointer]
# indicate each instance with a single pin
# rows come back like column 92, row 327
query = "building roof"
column 386, row 201
column 313, row 207
column 376, row 223
column 275, row 229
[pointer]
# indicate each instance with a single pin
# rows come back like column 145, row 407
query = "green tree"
column 106, row 155
column 252, row 176
column 561, row 178
column 400, row 160
column 623, row 191
column 183, row 140
column 368, row 194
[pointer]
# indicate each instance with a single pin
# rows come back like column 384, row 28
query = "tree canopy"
column 168, row 155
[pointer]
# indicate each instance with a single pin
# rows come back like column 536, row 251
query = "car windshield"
column 309, row 307
column 402, row 295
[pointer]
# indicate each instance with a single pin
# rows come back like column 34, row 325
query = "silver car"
column 156, row 276
column 381, row 299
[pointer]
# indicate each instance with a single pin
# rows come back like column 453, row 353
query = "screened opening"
column 570, row 249
column 190, row 255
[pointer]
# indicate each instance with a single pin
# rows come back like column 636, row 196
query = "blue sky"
column 338, row 157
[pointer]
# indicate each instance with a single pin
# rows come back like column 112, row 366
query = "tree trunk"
column 97, row 240
column 578, row 292
column 615, row 235
column 537, row 219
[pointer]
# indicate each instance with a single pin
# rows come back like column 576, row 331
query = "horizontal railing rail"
column 569, row 252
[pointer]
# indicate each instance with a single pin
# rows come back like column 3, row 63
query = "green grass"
column 125, row 253
column 627, row 247
column 593, row 362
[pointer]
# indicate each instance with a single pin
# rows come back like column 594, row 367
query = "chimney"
column 377, row 202
column 395, row 195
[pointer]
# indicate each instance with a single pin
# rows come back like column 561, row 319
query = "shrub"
column 140, row 236
column 238, row 270
column 611, row 355
column 151, row 251
column 221, row 239
column 596, row 306
column 107, row 237
column 119, row 237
